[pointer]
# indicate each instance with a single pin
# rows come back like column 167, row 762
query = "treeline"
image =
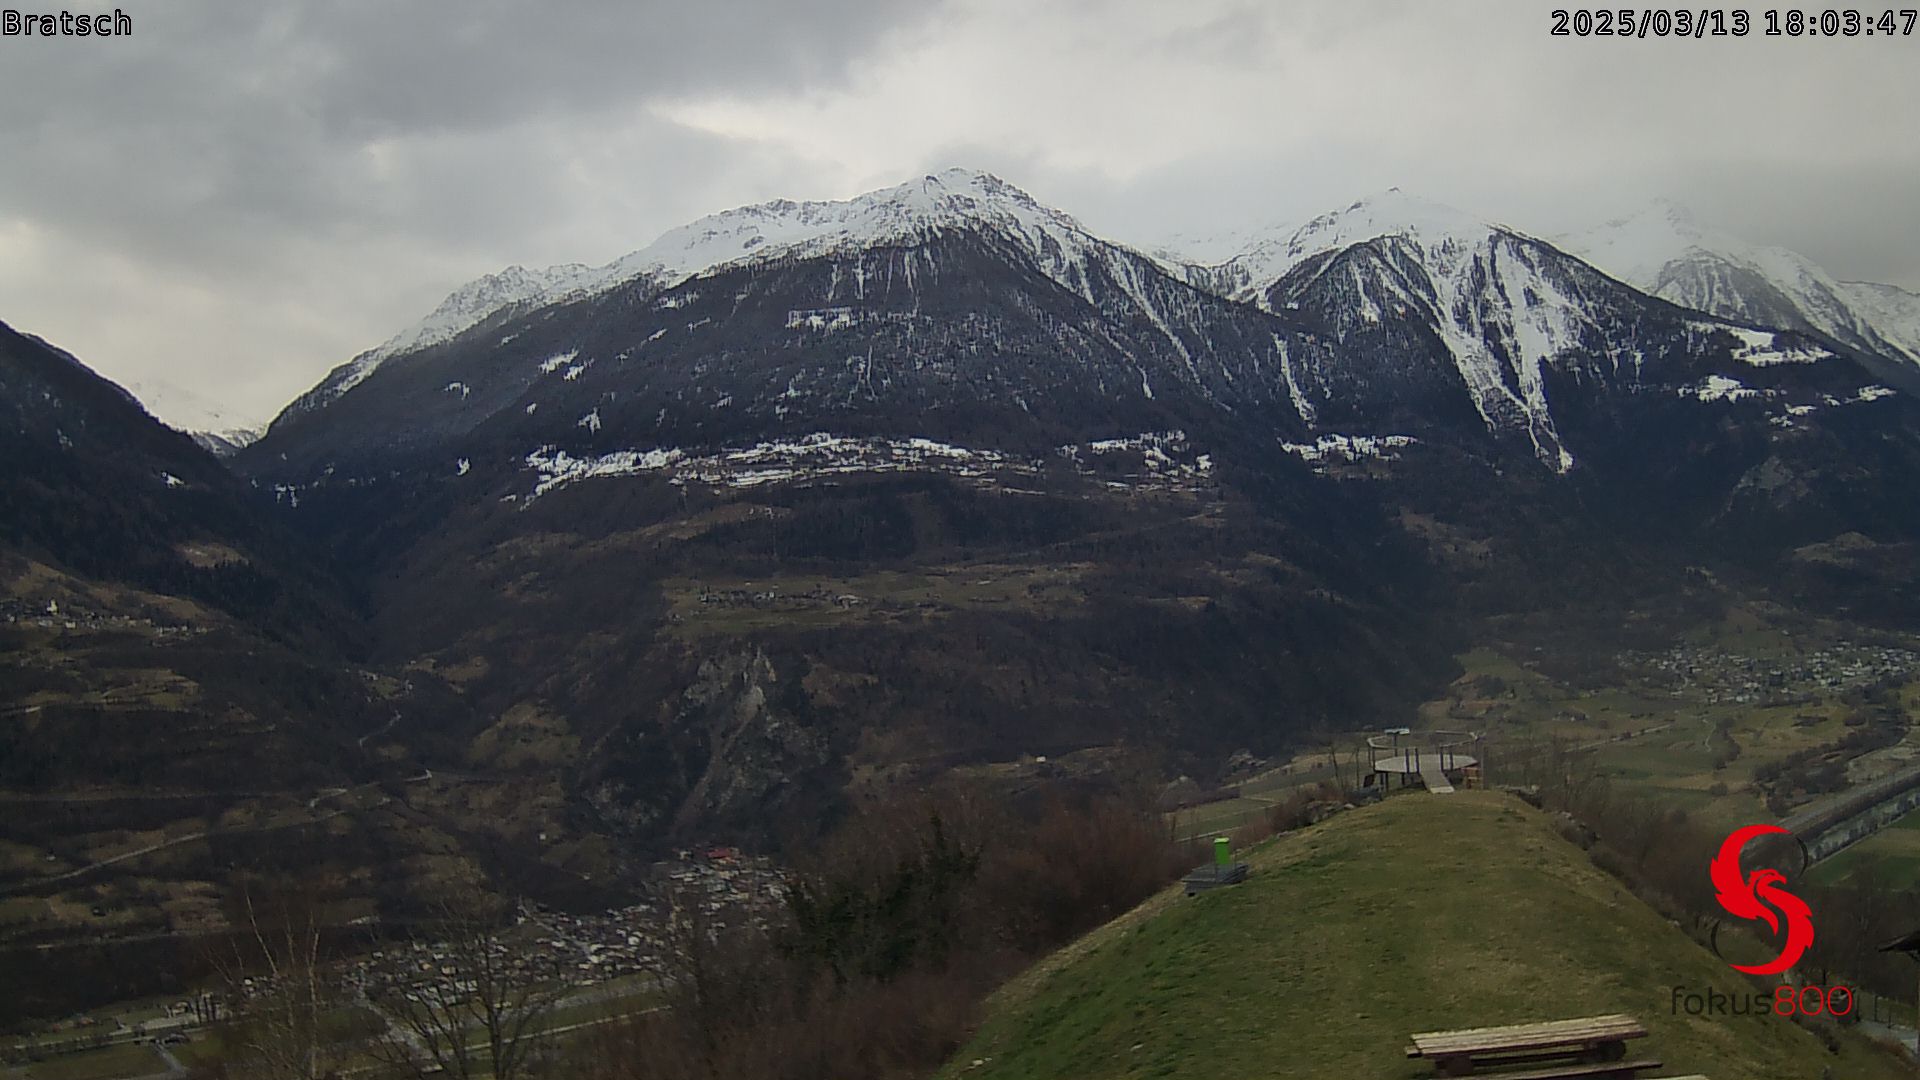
column 1875, row 720
column 105, row 515
column 896, row 927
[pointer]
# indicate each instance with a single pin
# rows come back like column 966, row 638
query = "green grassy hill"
column 1422, row 913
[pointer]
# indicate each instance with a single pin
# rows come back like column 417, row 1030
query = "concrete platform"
column 1419, row 764
column 1212, row 876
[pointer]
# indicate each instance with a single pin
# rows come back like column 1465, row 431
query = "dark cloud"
column 280, row 153
column 368, row 114
column 361, row 69
column 241, row 195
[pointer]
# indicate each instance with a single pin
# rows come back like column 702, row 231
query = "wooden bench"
column 1597, row 1070
column 1599, row 1041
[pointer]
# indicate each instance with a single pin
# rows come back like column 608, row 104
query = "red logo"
column 1760, row 896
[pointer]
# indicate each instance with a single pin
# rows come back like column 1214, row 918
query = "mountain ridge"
column 769, row 230
column 1664, row 251
column 1499, row 345
column 96, row 486
column 1504, row 306
column 940, row 481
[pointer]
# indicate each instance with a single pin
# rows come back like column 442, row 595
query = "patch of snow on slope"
column 1350, row 447
column 1535, row 323
column 1300, row 403
column 819, row 454
column 1893, row 311
column 823, row 455
column 463, row 308
column 194, row 414
column 1761, row 349
column 825, row 320
column 557, row 468
column 1530, row 320
column 1719, row 388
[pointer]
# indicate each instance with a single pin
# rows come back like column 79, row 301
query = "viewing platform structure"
column 1438, row 759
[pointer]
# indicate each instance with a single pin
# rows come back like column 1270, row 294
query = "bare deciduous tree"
column 280, row 992
column 485, row 1008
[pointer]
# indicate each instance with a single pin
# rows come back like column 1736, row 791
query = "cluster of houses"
column 585, row 950
column 54, row 615
column 419, row 970
column 721, row 884
column 767, row 598
column 839, row 318
column 1731, row 678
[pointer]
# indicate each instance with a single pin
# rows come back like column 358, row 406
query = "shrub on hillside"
column 899, row 924
column 1303, row 806
column 1077, row 867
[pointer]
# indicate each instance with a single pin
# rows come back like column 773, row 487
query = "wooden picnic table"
column 1589, row 1046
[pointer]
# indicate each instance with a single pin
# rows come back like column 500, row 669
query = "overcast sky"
column 240, row 196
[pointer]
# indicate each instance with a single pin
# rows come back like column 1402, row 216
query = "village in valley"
column 607, row 961
column 715, row 886
column 1720, row 676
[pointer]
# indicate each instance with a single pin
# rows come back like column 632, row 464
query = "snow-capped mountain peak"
column 1506, row 307
column 952, row 199
column 481, row 297
column 1893, row 312
column 955, row 198
column 1264, row 256
column 463, row 308
column 221, row 430
column 1381, row 307
column 1390, row 213
column 1637, row 247
column 1663, row 250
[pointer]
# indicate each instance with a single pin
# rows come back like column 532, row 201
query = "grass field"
column 1425, row 912
column 1891, row 856
column 1226, row 815
column 807, row 600
column 344, row 1028
column 127, row 1059
column 1682, row 748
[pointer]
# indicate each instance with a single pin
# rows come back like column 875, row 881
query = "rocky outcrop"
column 753, row 750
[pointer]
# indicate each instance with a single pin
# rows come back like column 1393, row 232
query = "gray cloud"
column 357, row 115
column 240, row 196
